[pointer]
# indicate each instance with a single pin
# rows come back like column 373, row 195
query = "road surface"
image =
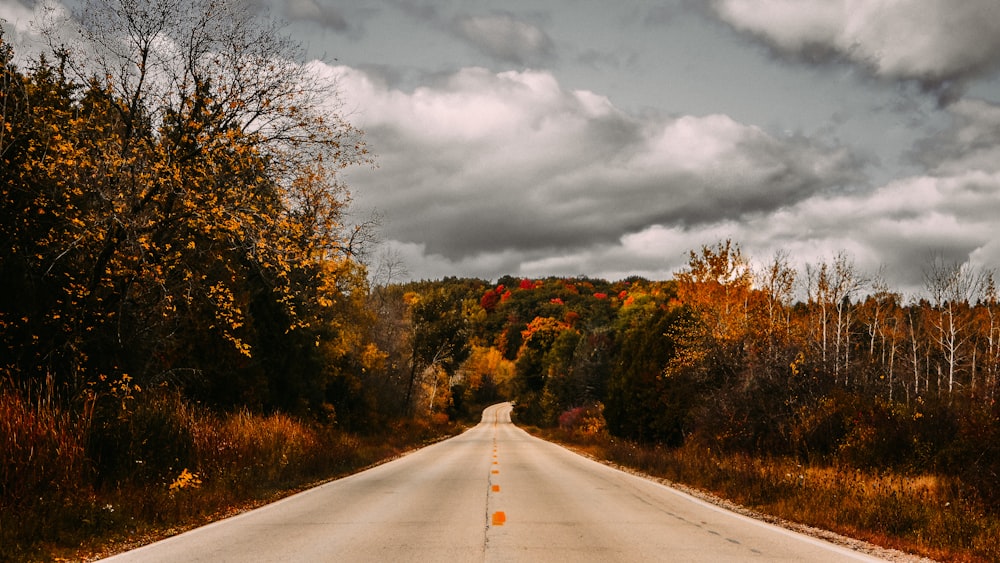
column 494, row 493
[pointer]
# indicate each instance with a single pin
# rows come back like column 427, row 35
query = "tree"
column 917, row 346
column 952, row 288
column 716, row 284
column 777, row 282
column 716, row 287
column 831, row 289
column 440, row 332
column 534, row 364
column 487, row 375
column 882, row 315
column 163, row 225
column 988, row 316
column 641, row 403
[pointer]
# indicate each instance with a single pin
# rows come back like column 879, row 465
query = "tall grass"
column 926, row 514
column 75, row 481
column 43, row 463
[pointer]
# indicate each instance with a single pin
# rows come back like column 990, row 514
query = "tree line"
column 828, row 366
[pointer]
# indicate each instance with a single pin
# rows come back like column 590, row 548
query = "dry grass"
column 177, row 466
column 929, row 515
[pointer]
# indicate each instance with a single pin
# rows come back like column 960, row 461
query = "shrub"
column 584, row 422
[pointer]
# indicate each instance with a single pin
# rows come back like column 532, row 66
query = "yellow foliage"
column 543, row 324
column 486, row 361
column 186, row 480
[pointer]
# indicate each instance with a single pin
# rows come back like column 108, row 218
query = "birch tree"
column 831, row 288
column 952, row 288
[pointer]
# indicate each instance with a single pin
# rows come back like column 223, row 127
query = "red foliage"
column 600, row 295
column 571, row 418
column 527, row 284
column 489, row 300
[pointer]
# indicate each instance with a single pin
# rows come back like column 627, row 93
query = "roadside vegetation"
column 925, row 514
column 190, row 323
column 76, row 491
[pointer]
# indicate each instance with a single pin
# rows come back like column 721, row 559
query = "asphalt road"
column 494, row 493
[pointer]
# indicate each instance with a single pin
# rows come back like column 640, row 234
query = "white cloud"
column 485, row 174
column 483, row 164
column 936, row 42
column 16, row 15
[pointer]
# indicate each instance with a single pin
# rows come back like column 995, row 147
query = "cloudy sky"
column 585, row 137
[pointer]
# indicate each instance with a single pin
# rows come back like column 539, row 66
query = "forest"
column 189, row 306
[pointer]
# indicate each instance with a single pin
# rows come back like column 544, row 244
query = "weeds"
column 925, row 514
column 72, row 484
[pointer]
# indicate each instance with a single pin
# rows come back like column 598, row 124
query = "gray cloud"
column 318, row 12
column 971, row 142
column 486, row 162
column 602, row 60
column 505, row 37
column 488, row 173
column 939, row 44
column 421, row 11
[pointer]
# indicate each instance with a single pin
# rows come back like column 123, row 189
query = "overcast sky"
column 586, row 137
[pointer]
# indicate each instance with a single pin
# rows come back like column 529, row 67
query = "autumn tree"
column 440, row 337
column 776, row 282
column 988, row 322
column 487, row 376
column 175, row 209
column 918, row 347
column 537, row 359
column 716, row 286
column 640, row 402
column 882, row 315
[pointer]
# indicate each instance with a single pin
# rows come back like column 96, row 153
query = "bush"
column 584, row 422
